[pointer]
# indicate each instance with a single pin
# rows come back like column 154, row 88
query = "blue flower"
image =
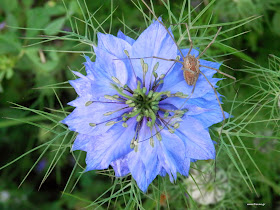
column 129, row 115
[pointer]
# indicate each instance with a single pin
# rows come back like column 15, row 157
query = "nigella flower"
column 128, row 114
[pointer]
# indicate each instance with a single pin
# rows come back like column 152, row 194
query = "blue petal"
column 209, row 72
column 103, row 149
column 79, row 120
column 166, row 156
column 143, row 163
column 126, row 38
column 120, row 167
column 197, row 140
column 116, row 47
column 107, row 67
column 92, row 89
column 173, row 150
column 175, row 81
column 82, row 86
column 147, row 153
column 89, row 66
column 193, row 52
column 211, row 118
column 213, row 115
column 138, row 170
column 92, row 85
column 154, row 41
column 112, row 44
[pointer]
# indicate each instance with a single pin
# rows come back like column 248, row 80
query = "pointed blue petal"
column 154, row 41
column 126, row 38
column 79, row 120
column 120, row 167
column 113, row 45
column 103, row 149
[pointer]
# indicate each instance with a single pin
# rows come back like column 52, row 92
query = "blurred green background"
column 35, row 63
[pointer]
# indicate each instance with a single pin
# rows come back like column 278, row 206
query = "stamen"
column 109, row 102
column 155, row 75
column 171, row 131
column 126, row 52
column 178, row 94
column 92, row 124
column 158, row 135
column 132, row 143
column 156, row 66
column 132, row 105
column 111, row 123
column 144, row 90
column 139, row 118
column 166, row 114
column 155, row 108
column 133, row 113
column 136, row 145
column 150, row 94
column 176, row 125
column 160, row 82
column 126, row 87
column 152, row 142
column 129, row 102
column 145, row 69
column 88, row 103
column 116, row 81
column 112, row 112
column 121, row 93
column 111, row 98
column 162, row 76
column 146, row 113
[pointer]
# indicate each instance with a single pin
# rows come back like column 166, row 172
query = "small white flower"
column 4, row 196
column 203, row 189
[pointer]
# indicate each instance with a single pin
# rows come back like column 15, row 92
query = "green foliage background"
column 39, row 45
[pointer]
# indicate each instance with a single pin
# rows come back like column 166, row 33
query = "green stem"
column 8, row 123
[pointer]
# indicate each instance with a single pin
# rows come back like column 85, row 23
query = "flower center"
column 144, row 105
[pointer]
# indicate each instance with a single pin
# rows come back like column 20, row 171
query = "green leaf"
column 275, row 23
column 36, row 18
column 55, row 26
column 8, row 5
column 27, row 3
column 12, row 21
column 44, row 68
column 9, row 43
column 54, row 10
